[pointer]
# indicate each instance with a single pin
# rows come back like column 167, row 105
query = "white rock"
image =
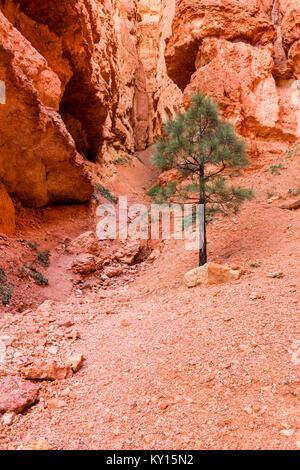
column 287, row 432
column 211, row 273
column 75, row 361
column 8, row 418
column 2, row 353
column 295, row 352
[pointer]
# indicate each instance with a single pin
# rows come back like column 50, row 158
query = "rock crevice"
column 75, row 90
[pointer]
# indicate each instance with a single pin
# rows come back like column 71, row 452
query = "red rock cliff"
column 86, row 79
column 75, row 88
column 245, row 54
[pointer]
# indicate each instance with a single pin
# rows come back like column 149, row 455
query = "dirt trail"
column 174, row 368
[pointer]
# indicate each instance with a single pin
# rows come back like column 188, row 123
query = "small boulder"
column 41, row 444
column 129, row 252
column 86, row 243
column 99, row 263
column 211, row 273
column 46, row 308
column 113, row 271
column 17, row 394
column 292, row 205
column 75, row 361
column 8, row 418
column 84, row 264
column 55, row 403
column 256, row 296
column 40, row 370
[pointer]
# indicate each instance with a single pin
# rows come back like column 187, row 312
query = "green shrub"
column 274, row 169
column 256, row 265
column 30, row 270
column 6, row 289
column 44, row 257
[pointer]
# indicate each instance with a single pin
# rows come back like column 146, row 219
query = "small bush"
column 294, row 192
column 30, row 270
column 104, row 192
column 44, row 257
column 125, row 159
column 6, row 290
column 293, row 151
column 274, row 169
column 256, row 265
column 277, row 275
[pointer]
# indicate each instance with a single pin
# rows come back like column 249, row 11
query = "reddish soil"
column 49, row 228
column 169, row 367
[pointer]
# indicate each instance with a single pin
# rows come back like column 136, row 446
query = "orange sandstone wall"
column 245, row 54
column 87, row 79
column 76, row 93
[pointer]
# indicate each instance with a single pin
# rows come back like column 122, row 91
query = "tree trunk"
column 202, row 228
column 203, row 245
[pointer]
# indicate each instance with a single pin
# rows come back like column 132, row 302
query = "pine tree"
column 201, row 146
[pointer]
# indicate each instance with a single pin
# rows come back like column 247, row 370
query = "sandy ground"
column 174, row 368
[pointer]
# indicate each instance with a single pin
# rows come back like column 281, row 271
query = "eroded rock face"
column 234, row 20
column 131, row 118
column 245, row 54
column 74, row 88
column 38, row 158
column 154, row 28
column 87, row 79
column 7, row 212
column 91, row 45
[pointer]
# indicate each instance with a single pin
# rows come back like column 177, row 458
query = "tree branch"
column 216, row 172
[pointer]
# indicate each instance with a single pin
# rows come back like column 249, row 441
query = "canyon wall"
column 245, row 54
column 87, row 80
column 154, row 28
column 75, row 90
